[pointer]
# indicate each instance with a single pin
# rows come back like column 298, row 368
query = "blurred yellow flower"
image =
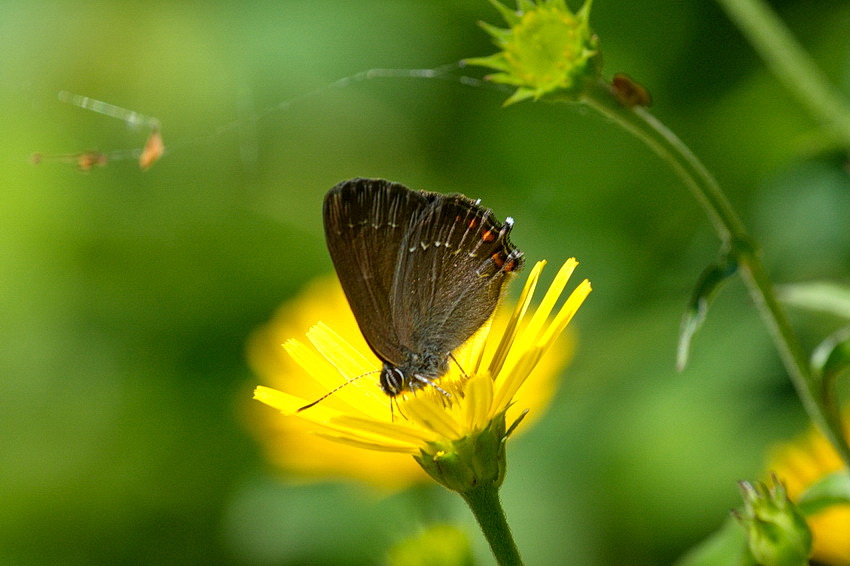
column 497, row 360
column 437, row 545
column 800, row 464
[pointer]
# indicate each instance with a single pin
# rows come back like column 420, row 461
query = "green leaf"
column 819, row 296
column 832, row 356
column 707, row 286
column 831, row 360
column 725, row 547
column 833, row 489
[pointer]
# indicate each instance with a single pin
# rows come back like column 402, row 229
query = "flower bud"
column 547, row 49
column 466, row 463
column 777, row 532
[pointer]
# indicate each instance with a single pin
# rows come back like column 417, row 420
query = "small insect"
column 422, row 273
column 629, row 92
column 152, row 151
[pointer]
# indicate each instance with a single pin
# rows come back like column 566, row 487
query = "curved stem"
column 791, row 64
column 487, row 508
column 732, row 232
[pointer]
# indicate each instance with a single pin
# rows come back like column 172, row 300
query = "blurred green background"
column 126, row 297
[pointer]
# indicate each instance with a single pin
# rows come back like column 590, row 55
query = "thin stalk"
column 791, row 64
column 735, row 238
column 487, row 508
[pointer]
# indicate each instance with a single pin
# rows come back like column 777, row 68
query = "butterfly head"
column 418, row 371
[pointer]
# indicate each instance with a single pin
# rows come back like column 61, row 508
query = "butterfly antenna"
column 334, row 390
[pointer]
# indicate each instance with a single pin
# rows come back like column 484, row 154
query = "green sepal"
column 832, row 489
column 469, row 462
column 500, row 35
column 777, row 532
column 515, row 424
column 511, row 17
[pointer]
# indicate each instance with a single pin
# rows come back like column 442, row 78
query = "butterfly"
column 422, row 272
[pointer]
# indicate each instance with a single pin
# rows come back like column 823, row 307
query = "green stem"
column 791, row 64
column 487, row 508
column 731, row 230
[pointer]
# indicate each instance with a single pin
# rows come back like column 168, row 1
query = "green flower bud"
column 777, row 532
column 547, row 49
column 469, row 462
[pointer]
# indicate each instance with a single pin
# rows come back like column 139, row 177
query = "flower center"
column 543, row 47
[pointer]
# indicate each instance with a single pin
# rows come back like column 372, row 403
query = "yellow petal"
column 379, row 446
column 430, row 415
column 565, row 315
column 479, row 393
column 395, row 431
column 542, row 312
column 509, row 335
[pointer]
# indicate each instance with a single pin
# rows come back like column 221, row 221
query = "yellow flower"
column 496, row 362
column 800, row 464
column 547, row 49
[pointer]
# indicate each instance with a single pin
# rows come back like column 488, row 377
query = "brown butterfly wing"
column 422, row 271
column 450, row 273
column 365, row 221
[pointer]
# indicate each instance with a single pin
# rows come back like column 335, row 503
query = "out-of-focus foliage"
column 126, row 297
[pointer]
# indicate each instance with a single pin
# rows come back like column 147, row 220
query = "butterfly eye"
column 392, row 380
